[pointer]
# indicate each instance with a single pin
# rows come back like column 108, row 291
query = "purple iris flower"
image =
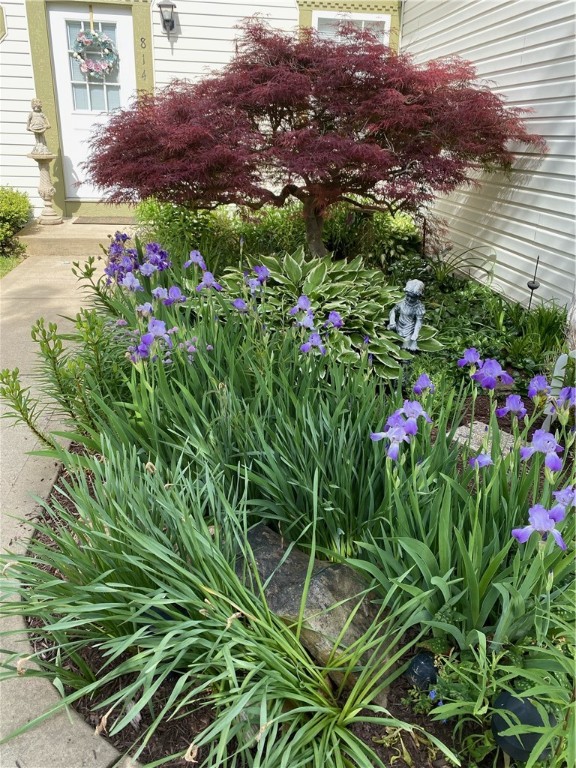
column 208, row 281
column 490, row 374
column 140, row 352
column 174, row 295
column 147, row 269
column 482, row 460
column 130, row 282
column 145, row 309
column 413, row 410
column 314, row 340
column 240, row 305
column 262, row 273
column 156, row 330
column 543, row 522
column 121, row 259
column 253, row 284
column 544, row 442
column 334, row 319
column 160, row 293
column 566, row 497
column 302, row 305
column 470, row 357
column 307, row 321
column 566, row 398
column 396, row 436
column 538, row 386
column 156, row 327
column 195, row 258
column 396, row 419
column 514, row 405
column 423, row 382
column 157, row 256
column 366, row 340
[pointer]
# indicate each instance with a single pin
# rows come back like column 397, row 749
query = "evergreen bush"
column 15, row 212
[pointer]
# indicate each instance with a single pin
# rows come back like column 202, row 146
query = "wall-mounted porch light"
column 167, row 8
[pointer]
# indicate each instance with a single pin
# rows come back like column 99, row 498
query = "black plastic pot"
column 522, row 712
column 421, row 671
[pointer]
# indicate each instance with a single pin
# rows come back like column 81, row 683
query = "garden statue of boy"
column 406, row 316
column 38, row 124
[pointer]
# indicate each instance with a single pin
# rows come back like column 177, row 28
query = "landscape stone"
column 473, row 435
column 335, row 592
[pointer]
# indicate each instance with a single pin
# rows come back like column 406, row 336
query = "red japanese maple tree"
column 322, row 121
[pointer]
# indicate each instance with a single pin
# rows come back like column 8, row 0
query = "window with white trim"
column 327, row 23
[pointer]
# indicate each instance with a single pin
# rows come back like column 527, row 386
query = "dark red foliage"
column 314, row 119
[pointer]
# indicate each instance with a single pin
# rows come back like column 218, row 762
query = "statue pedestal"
column 45, row 188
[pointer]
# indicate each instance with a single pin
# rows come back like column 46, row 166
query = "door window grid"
column 90, row 95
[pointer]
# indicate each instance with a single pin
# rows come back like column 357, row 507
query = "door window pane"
column 113, row 98
column 97, row 98
column 80, row 95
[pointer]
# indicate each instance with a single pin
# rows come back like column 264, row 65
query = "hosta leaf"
column 315, row 278
column 293, row 270
column 429, row 345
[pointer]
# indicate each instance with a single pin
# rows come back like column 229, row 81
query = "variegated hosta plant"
column 349, row 292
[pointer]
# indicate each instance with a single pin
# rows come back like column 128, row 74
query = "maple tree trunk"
column 314, row 227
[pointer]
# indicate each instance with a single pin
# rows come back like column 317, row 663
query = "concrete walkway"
column 41, row 286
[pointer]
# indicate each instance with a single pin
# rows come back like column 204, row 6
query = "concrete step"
column 69, row 239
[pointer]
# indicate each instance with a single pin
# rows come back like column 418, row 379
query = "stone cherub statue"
column 38, row 124
column 406, row 316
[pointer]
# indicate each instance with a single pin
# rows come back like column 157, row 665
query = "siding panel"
column 203, row 39
column 526, row 50
column 17, row 170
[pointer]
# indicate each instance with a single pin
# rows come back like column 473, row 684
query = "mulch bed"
column 397, row 749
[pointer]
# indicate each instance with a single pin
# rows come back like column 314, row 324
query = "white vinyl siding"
column 204, row 34
column 525, row 49
column 17, row 170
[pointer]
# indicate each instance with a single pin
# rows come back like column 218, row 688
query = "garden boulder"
column 335, row 592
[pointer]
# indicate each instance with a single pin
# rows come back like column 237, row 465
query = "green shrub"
column 15, row 212
column 379, row 238
column 267, row 231
column 230, row 235
column 178, row 228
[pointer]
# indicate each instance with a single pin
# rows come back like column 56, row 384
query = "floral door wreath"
column 90, row 41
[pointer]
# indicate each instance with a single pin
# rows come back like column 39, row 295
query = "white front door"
column 85, row 101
